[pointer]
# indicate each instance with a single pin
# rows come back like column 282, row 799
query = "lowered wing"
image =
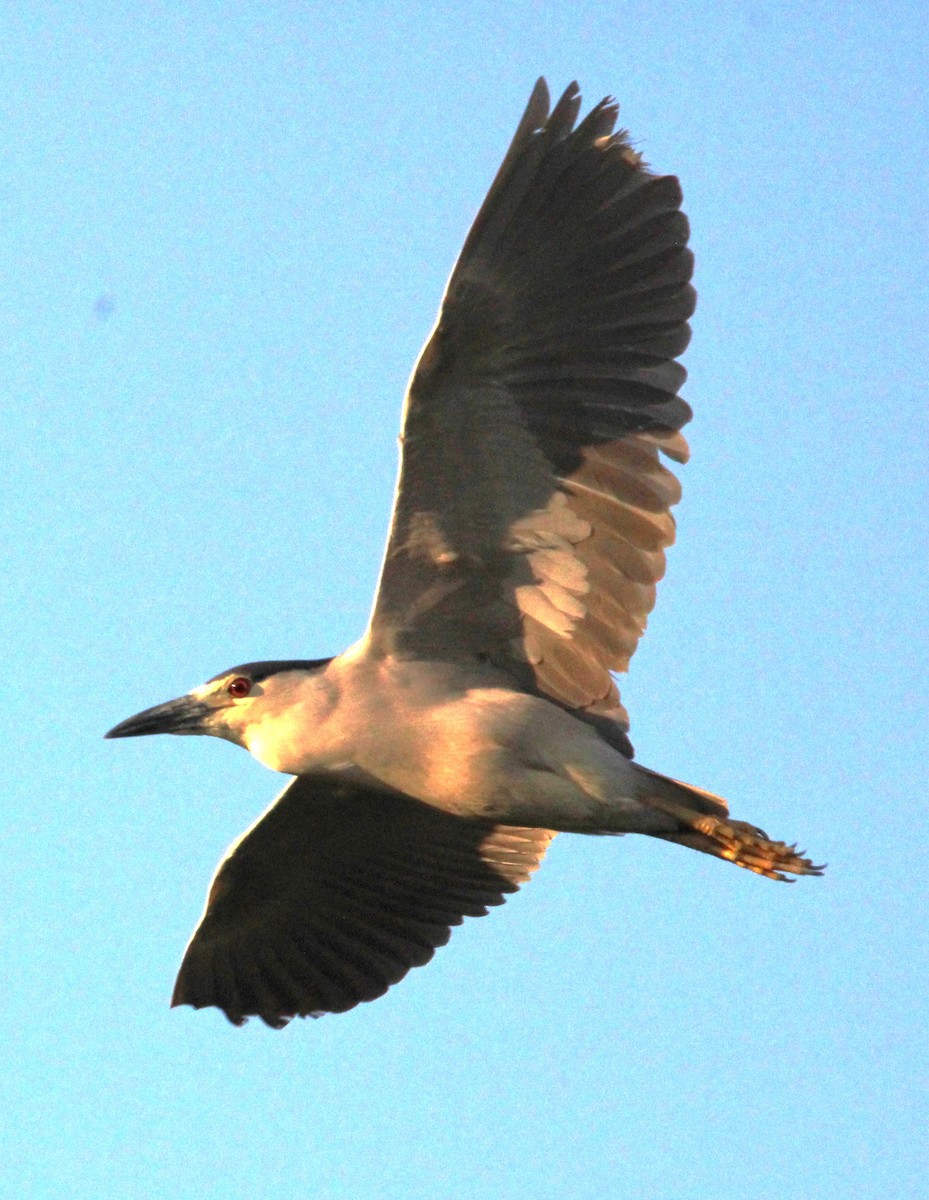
column 335, row 893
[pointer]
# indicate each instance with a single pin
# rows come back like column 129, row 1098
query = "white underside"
column 456, row 736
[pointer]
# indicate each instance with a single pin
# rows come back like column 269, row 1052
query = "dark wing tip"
column 537, row 107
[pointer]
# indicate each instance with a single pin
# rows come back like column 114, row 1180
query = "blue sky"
column 225, row 233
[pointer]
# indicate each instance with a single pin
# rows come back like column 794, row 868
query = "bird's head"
column 229, row 705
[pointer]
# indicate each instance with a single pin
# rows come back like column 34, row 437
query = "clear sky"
column 225, row 230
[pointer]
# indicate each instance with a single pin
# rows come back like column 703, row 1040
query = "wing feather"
column 335, row 893
column 532, row 510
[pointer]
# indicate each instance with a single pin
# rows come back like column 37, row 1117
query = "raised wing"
column 335, row 893
column 532, row 511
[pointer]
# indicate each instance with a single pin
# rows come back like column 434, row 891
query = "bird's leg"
column 736, row 841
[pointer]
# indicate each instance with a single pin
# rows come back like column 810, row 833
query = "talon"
column 739, row 842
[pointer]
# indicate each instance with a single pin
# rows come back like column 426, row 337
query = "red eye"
column 239, row 687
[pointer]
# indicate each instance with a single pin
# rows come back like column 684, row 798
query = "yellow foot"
column 750, row 847
column 736, row 841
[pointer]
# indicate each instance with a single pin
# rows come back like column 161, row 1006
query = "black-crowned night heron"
column 437, row 757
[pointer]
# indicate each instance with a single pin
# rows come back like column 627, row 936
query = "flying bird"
column 477, row 716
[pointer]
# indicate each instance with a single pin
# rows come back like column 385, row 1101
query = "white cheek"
column 262, row 741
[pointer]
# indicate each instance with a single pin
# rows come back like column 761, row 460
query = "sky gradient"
column 226, row 229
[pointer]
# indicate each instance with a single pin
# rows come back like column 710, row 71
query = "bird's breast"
column 460, row 739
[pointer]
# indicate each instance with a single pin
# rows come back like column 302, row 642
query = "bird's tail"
column 705, row 825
